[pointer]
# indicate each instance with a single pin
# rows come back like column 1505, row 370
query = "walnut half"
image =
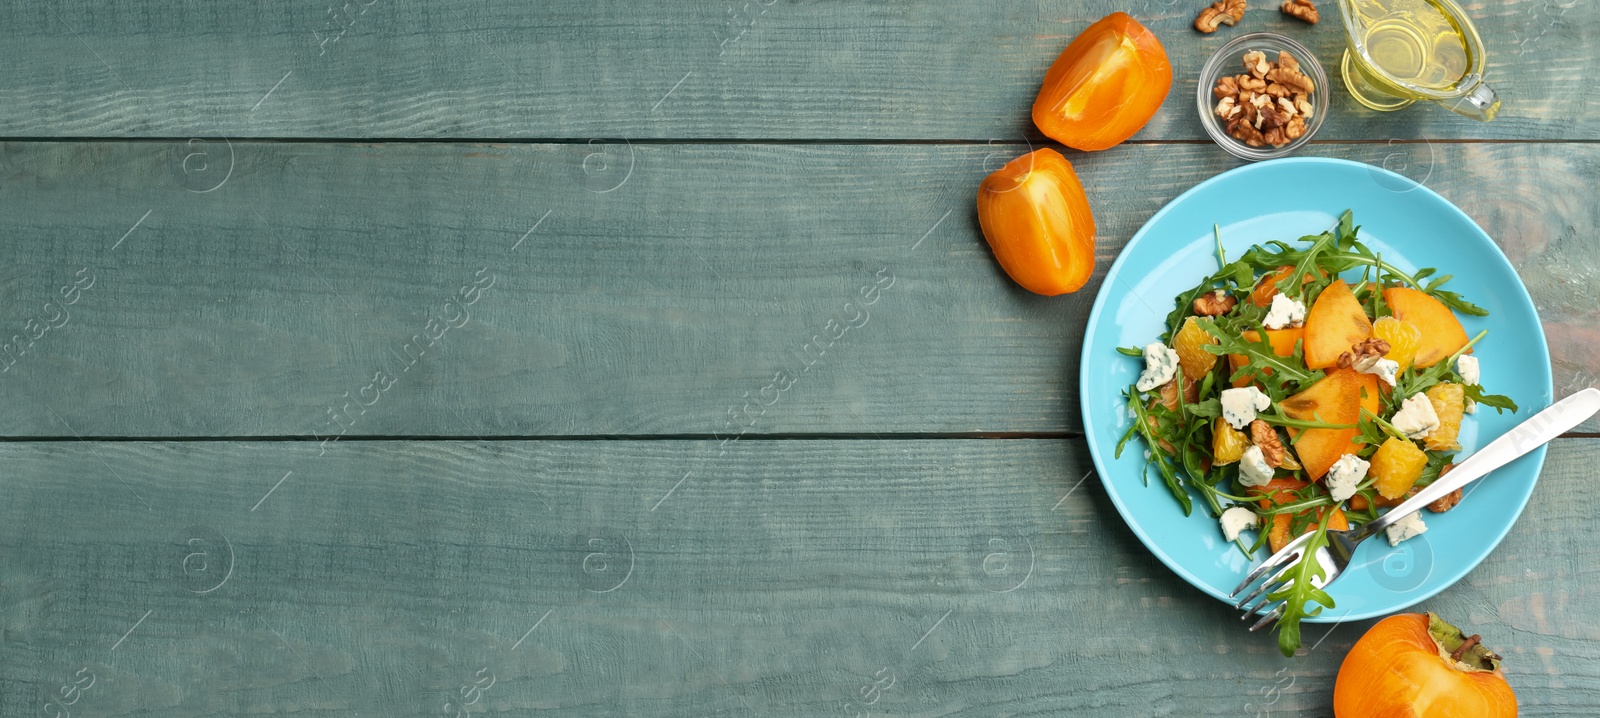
column 1364, row 354
column 1222, row 12
column 1448, row 501
column 1266, row 437
column 1214, row 304
column 1300, row 10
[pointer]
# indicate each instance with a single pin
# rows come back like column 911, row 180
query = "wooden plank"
column 769, row 69
column 651, row 295
column 781, row 579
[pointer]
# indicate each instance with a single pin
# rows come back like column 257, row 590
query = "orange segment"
column 1227, row 443
column 1189, row 343
column 1404, row 339
column 1396, row 467
column 1449, row 402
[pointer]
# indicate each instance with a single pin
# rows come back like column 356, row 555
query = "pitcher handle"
column 1480, row 104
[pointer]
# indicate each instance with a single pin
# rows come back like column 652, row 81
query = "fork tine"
column 1283, row 554
column 1269, row 618
column 1264, row 588
column 1258, row 572
column 1246, row 612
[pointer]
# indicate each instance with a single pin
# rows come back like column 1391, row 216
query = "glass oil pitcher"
column 1401, row 51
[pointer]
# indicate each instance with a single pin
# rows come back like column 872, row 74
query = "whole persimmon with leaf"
column 1416, row 665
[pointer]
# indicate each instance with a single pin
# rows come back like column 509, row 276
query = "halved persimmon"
column 1036, row 218
column 1105, row 85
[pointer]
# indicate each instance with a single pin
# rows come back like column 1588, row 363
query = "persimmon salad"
column 1306, row 388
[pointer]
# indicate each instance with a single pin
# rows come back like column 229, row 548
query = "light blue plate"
column 1412, row 227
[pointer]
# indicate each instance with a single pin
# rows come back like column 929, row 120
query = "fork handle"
column 1537, row 431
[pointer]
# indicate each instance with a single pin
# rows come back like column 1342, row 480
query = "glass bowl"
column 1229, row 60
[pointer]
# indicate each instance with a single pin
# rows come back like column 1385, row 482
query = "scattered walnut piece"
column 1364, row 354
column 1269, row 104
column 1222, row 12
column 1266, row 437
column 1448, row 501
column 1215, row 303
column 1210, row 19
column 1300, row 10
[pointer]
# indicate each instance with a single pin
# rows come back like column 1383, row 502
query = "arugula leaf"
column 1261, row 357
column 1372, row 434
column 1131, row 351
column 1294, row 286
column 1436, row 464
column 1208, row 409
column 1301, row 590
column 1499, row 402
column 1278, row 418
column 1411, row 384
column 1158, row 455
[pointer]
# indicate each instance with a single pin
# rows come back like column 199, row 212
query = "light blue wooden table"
column 485, row 357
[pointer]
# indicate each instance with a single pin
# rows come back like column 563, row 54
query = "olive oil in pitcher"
column 1401, row 51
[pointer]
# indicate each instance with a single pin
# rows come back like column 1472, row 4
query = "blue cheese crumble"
column 1405, row 528
column 1285, row 312
column 1467, row 367
column 1160, row 364
column 1239, row 406
column 1345, row 475
column 1385, row 369
column 1416, row 417
column 1253, row 468
column 1236, row 520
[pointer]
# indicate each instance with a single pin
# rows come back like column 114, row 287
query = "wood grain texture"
column 660, row 286
column 779, row 579
column 763, row 69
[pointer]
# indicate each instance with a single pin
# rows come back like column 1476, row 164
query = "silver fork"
column 1538, row 430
